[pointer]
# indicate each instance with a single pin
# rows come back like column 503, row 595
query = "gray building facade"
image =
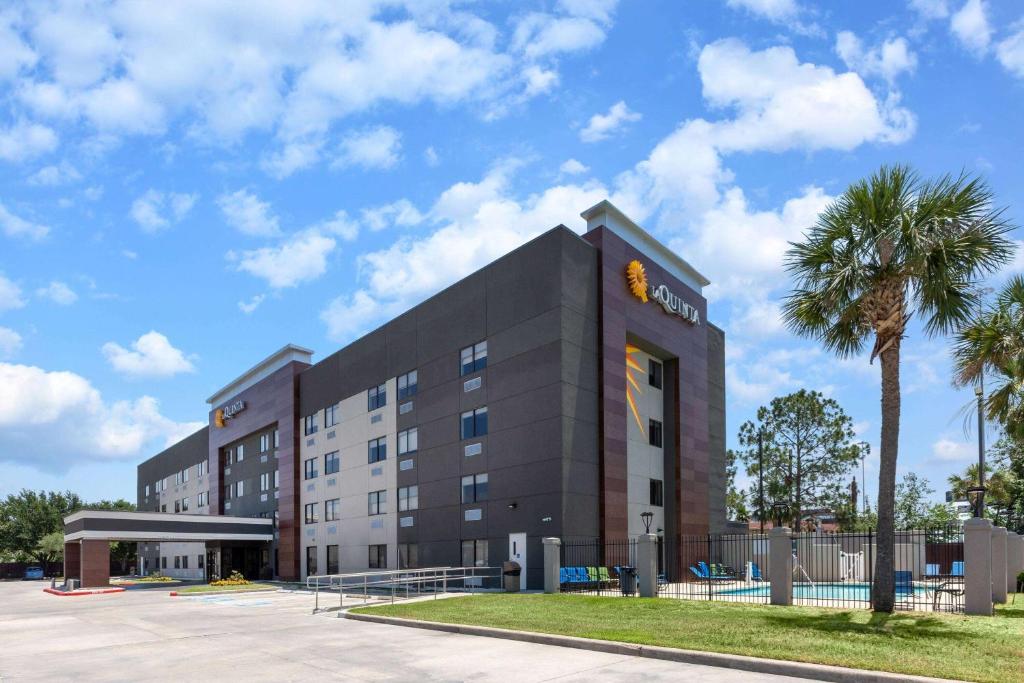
column 497, row 412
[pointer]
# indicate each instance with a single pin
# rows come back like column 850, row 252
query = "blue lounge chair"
column 755, row 572
column 931, row 571
column 958, row 569
column 714, row 576
column 904, row 583
column 563, row 576
column 698, row 573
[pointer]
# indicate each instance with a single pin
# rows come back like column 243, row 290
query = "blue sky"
column 186, row 187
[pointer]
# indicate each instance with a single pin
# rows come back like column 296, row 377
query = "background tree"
column 51, row 547
column 913, row 509
column 887, row 249
column 809, row 450
column 735, row 498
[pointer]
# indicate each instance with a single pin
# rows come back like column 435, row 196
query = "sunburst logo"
column 631, row 384
column 637, row 278
column 218, row 417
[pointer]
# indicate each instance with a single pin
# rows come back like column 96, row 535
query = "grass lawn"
column 206, row 588
column 944, row 646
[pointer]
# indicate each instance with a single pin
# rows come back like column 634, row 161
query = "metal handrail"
column 394, row 579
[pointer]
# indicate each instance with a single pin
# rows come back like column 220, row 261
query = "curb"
column 177, row 594
column 820, row 672
column 77, row 593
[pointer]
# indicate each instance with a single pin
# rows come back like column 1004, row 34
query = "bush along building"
column 562, row 390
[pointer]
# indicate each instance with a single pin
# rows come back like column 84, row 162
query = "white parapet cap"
column 260, row 371
column 126, row 515
column 607, row 214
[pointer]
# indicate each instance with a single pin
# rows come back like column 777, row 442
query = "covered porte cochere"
column 88, row 534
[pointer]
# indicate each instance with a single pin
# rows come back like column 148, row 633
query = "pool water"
column 821, row 591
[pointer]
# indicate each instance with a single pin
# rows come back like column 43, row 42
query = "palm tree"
column 887, row 249
column 993, row 343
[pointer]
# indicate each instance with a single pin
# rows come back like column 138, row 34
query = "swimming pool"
column 821, row 591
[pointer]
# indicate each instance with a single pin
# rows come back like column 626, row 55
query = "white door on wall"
column 517, row 553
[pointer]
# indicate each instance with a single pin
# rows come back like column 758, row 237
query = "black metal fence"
column 835, row 569
column 598, row 567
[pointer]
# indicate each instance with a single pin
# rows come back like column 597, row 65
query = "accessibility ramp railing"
column 402, row 584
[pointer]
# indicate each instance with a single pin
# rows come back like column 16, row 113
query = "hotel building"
column 561, row 390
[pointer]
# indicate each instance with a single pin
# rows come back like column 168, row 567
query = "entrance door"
column 517, row 553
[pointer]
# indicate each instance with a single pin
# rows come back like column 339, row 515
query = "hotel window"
column 184, row 561
column 332, row 508
column 332, row 463
column 474, row 488
column 311, row 472
column 377, row 502
column 311, row 560
column 378, row 557
column 657, row 492
column 201, row 499
column 163, row 508
column 240, row 453
column 265, row 482
column 474, row 423
column 310, row 424
column 199, row 561
column 184, row 476
column 177, row 561
column 312, row 516
column 184, row 504
column 163, row 562
column 239, row 489
column 277, row 478
column 654, row 372
column 147, row 491
column 201, row 468
column 376, row 397
column 277, row 439
column 408, row 556
column 377, row 450
column 654, row 433
column 229, row 458
column 474, row 358
column 407, row 385
column 264, row 443
column 474, row 553
column 177, row 478
column 408, row 441
column 408, row 498
column 177, row 506
column 332, row 559
column 330, row 416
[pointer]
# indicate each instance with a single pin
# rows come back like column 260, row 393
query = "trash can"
column 510, row 572
column 627, row 580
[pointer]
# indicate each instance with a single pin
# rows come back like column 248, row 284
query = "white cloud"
column 25, row 140
column 339, row 225
column 15, row 226
column 371, row 148
column 431, row 157
column 971, row 27
column 156, row 210
column 540, row 35
column 931, row 9
column 249, row 215
column 300, row 258
column 151, row 355
column 948, row 450
column 775, row 10
column 602, row 126
column 479, row 222
column 401, row 214
column 756, row 383
column 572, row 167
column 10, row 295
column 539, row 80
column 1010, row 52
column 888, row 60
column 15, row 55
column 53, row 175
column 251, row 305
column 10, row 343
column 58, row 292
column 50, row 418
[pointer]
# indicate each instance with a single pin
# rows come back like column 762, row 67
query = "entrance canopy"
column 88, row 533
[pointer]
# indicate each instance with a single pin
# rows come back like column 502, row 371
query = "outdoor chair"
column 698, row 573
column 755, row 572
column 904, row 582
column 592, row 576
column 931, row 571
column 958, row 569
column 603, row 577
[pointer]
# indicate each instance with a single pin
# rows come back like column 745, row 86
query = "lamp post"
column 979, row 391
column 780, row 508
column 647, row 517
column 760, row 477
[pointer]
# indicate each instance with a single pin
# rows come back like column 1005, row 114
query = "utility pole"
column 760, row 477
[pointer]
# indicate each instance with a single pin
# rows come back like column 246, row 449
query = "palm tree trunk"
column 883, row 593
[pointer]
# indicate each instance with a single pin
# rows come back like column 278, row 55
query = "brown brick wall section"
column 623, row 316
column 272, row 401
column 72, row 560
column 95, row 564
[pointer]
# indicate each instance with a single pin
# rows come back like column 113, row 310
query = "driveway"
column 150, row 636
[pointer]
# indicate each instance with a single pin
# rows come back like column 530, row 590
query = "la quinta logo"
column 636, row 278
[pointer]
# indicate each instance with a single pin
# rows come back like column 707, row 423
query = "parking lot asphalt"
column 148, row 635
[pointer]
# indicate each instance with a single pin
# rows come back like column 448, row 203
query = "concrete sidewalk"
column 146, row 635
